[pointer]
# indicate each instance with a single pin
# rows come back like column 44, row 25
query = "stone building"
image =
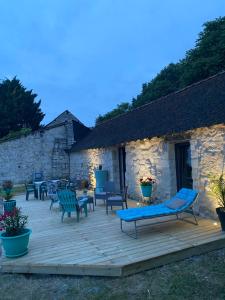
column 44, row 150
column 178, row 139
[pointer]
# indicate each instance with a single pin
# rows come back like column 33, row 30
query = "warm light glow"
column 215, row 223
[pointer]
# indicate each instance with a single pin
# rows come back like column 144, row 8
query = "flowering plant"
column 6, row 192
column 13, row 223
column 147, row 181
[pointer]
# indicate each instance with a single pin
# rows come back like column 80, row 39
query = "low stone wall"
column 21, row 157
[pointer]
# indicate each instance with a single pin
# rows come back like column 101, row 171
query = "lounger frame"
column 188, row 210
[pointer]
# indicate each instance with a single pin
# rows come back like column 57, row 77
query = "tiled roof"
column 199, row 105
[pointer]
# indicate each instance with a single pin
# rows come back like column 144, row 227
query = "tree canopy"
column 18, row 109
column 205, row 59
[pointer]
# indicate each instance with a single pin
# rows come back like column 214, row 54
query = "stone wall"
column 208, row 157
column 84, row 163
column 39, row 151
column 154, row 158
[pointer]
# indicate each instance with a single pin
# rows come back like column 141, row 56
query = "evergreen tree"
column 18, row 108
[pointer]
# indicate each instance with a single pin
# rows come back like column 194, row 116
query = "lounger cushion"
column 153, row 211
column 176, row 203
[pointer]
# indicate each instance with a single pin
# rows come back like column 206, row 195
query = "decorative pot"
column 15, row 246
column 9, row 205
column 101, row 177
column 221, row 215
column 146, row 190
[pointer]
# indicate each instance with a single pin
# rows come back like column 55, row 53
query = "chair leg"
column 78, row 215
column 106, row 207
column 63, row 212
column 27, row 196
column 51, row 205
column 86, row 210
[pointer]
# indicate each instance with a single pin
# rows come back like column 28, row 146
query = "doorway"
column 183, row 165
column 122, row 167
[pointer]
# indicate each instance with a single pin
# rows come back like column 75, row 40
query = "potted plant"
column 146, row 186
column 15, row 237
column 7, row 194
column 217, row 187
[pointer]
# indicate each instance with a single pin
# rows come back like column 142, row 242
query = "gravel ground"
column 200, row 277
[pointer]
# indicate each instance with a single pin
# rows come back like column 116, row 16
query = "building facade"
column 179, row 140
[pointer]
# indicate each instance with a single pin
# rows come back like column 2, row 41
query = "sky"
column 87, row 56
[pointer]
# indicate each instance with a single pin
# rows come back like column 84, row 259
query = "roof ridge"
column 164, row 97
column 64, row 112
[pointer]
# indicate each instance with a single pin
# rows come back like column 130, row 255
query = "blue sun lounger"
column 181, row 202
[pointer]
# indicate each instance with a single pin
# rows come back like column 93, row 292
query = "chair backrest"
column 110, row 187
column 67, row 199
column 43, row 185
column 62, row 184
column 52, row 188
column 38, row 176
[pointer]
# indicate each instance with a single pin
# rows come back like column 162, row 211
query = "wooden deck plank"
column 96, row 246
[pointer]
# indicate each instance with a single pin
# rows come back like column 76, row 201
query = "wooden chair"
column 117, row 200
column 69, row 203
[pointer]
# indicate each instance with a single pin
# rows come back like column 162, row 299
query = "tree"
column 205, row 59
column 120, row 109
column 18, row 108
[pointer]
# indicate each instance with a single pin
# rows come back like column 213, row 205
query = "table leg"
column 39, row 193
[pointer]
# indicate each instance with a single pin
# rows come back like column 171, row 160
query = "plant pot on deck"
column 15, row 246
column 146, row 190
column 221, row 215
column 9, row 205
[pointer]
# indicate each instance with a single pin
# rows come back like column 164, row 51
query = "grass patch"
column 200, row 277
column 19, row 189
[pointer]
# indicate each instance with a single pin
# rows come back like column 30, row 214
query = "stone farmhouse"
column 178, row 139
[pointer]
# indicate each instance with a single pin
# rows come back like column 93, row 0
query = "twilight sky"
column 89, row 55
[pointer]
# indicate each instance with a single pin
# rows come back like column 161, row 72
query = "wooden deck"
column 95, row 246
